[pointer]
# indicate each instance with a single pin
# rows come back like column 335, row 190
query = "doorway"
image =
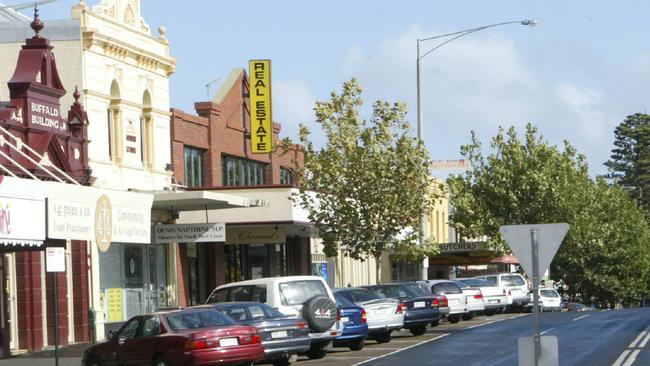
column 4, row 309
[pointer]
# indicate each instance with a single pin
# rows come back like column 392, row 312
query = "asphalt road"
column 614, row 337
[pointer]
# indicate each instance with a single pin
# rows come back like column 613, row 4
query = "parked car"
column 494, row 297
column 383, row 316
column 440, row 300
column 307, row 297
column 549, row 299
column 193, row 336
column 575, row 306
column 473, row 299
column 456, row 300
column 282, row 337
column 419, row 307
column 355, row 324
column 515, row 287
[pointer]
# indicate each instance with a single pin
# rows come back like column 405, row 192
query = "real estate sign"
column 260, row 98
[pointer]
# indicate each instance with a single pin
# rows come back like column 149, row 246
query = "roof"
column 9, row 15
column 227, row 85
column 270, row 280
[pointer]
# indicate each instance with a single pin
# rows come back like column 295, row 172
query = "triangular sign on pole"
column 549, row 236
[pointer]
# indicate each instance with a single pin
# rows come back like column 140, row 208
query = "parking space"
column 401, row 341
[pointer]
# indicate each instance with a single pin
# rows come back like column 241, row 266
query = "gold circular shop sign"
column 103, row 223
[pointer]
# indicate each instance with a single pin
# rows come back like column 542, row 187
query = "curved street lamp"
column 454, row 36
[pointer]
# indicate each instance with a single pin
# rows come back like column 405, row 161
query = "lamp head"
column 529, row 22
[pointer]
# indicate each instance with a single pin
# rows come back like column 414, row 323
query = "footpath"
column 68, row 356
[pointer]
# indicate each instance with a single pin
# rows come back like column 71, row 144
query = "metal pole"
column 536, row 328
column 56, row 320
column 423, row 218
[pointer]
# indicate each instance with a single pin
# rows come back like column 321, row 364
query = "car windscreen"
column 242, row 312
column 475, row 282
column 342, row 301
column 297, row 292
column 194, row 319
column 549, row 293
column 446, row 288
column 512, row 281
column 360, row 295
column 394, row 291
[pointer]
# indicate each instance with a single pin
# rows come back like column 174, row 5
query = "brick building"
column 212, row 151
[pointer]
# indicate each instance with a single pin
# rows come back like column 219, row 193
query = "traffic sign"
column 549, row 236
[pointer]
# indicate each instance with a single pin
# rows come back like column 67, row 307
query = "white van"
column 307, row 297
column 515, row 287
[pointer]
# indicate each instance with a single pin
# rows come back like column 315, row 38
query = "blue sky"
column 576, row 75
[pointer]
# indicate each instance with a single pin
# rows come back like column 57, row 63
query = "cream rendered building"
column 122, row 70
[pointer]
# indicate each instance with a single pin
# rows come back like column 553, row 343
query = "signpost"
column 55, row 263
column 535, row 258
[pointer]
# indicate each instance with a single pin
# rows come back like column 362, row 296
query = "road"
column 614, row 337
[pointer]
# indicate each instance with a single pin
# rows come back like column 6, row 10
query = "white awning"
column 201, row 200
column 21, row 244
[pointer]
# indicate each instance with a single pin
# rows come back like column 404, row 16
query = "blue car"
column 355, row 329
column 420, row 308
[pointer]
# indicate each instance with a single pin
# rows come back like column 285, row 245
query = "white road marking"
column 621, row 358
column 645, row 341
column 581, row 317
column 632, row 358
column 546, row 331
column 638, row 339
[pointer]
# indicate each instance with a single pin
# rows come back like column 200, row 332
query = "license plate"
column 453, row 302
column 279, row 334
column 381, row 312
column 226, row 342
column 345, row 319
column 493, row 301
column 418, row 304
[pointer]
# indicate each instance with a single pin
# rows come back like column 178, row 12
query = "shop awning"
column 20, row 244
column 201, row 200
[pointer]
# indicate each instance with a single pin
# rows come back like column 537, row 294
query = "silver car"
column 383, row 315
column 455, row 298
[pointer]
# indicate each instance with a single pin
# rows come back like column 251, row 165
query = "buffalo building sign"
column 260, row 99
column 190, row 233
column 46, row 116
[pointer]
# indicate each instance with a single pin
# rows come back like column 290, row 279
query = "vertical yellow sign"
column 115, row 308
column 260, row 94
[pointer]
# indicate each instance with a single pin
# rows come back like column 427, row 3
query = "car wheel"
column 467, row 316
column 453, row 319
column 384, row 337
column 317, row 351
column 282, row 362
column 357, row 345
column 93, row 361
column 419, row 330
column 160, row 361
column 435, row 323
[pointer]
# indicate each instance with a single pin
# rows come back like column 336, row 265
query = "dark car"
column 194, row 336
column 419, row 307
column 355, row 330
column 282, row 337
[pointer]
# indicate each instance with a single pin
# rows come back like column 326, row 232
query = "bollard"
column 91, row 325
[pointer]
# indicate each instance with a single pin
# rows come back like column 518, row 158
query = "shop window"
column 402, row 271
column 194, row 167
column 243, row 172
column 286, row 176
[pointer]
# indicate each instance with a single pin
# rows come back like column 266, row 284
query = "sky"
column 576, row 76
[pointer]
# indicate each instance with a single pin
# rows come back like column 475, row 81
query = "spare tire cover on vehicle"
column 319, row 312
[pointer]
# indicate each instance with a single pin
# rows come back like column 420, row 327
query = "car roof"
column 271, row 281
column 240, row 303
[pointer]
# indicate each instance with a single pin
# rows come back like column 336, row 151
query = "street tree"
column 528, row 182
column 366, row 188
column 629, row 164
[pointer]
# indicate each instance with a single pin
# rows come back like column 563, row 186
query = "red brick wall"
column 220, row 129
column 62, row 300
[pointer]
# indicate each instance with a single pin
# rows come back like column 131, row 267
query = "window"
column 513, row 280
column 242, row 172
column 194, row 319
column 286, row 176
column 129, row 329
column 151, row 326
column 193, row 167
column 296, row 293
column 446, row 288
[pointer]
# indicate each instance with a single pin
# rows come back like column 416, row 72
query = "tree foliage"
column 605, row 253
column 629, row 164
column 364, row 188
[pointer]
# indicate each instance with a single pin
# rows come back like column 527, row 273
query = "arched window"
column 146, row 132
column 115, row 124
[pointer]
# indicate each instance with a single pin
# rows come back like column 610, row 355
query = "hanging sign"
column 260, row 100
column 190, row 233
column 54, row 259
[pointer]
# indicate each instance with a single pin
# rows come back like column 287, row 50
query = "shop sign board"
column 115, row 304
column 55, row 259
column 461, row 247
column 190, row 233
column 21, row 219
column 260, row 99
column 257, row 235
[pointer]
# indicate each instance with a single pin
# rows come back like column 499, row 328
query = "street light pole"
column 420, row 56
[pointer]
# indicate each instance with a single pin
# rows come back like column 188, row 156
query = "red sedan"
column 196, row 336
